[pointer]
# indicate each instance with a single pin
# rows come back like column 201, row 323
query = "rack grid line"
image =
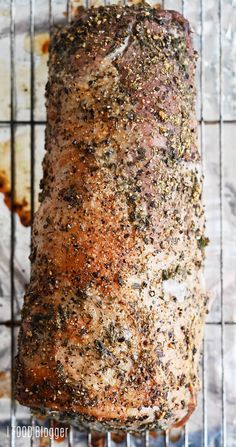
column 43, row 122
column 13, row 122
column 12, row 199
column 223, row 415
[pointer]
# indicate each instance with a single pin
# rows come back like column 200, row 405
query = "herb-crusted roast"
column 113, row 316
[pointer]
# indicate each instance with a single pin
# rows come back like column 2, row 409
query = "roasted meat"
column 113, row 316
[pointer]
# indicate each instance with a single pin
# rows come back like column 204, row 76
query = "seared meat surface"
column 113, row 316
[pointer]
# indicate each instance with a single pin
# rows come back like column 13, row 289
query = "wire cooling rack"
column 217, row 127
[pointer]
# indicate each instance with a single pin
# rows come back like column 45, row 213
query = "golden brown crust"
column 113, row 316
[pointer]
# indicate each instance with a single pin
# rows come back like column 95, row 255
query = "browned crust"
column 120, row 193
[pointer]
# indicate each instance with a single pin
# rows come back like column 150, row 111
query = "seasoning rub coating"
column 113, row 316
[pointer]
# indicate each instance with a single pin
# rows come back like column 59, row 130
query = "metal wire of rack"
column 13, row 122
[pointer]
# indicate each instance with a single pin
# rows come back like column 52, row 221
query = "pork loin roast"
column 113, row 316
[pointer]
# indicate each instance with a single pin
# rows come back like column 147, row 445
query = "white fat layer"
column 121, row 48
column 175, row 288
